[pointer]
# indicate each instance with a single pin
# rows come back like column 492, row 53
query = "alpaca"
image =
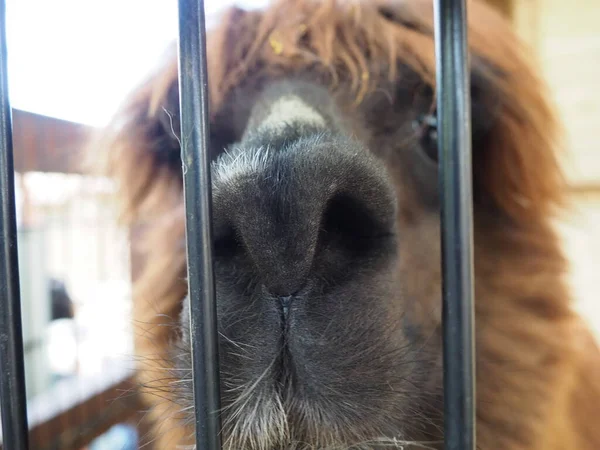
column 327, row 237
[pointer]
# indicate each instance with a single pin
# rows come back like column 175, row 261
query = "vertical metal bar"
column 454, row 135
column 193, row 91
column 13, row 401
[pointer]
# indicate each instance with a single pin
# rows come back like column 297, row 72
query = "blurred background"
column 71, row 62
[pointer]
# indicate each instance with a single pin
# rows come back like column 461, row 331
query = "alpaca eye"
column 426, row 127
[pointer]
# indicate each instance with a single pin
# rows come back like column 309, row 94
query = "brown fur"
column 538, row 368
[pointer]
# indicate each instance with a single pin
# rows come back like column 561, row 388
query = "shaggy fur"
column 361, row 359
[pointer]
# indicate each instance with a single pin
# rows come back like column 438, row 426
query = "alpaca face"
column 327, row 233
column 322, row 254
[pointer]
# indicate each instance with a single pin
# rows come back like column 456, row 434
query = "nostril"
column 227, row 243
column 351, row 224
column 353, row 218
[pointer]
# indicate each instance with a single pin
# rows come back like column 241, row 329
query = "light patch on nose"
column 240, row 162
column 290, row 109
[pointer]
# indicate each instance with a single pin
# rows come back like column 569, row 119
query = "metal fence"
column 453, row 110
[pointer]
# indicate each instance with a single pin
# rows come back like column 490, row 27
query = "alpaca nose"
column 299, row 207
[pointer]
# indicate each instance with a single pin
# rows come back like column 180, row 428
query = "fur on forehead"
column 360, row 45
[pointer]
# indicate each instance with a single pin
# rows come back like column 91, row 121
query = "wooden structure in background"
column 47, row 144
column 88, row 407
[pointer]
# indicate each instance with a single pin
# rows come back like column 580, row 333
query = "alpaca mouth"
column 285, row 371
column 285, row 303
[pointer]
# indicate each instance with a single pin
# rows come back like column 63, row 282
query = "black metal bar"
column 454, row 140
column 13, row 401
column 193, row 91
